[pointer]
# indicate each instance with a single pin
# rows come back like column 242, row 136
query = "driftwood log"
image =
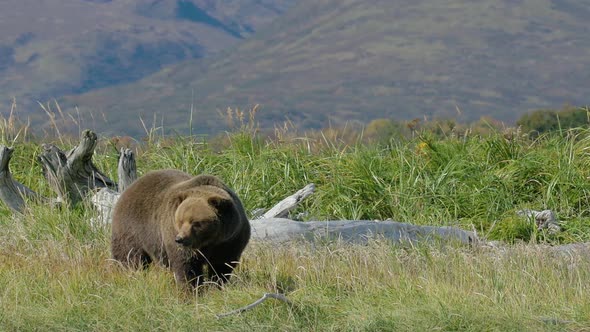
column 545, row 219
column 280, row 230
column 73, row 175
column 12, row 192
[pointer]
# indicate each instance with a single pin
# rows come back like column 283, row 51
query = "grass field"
column 56, row 272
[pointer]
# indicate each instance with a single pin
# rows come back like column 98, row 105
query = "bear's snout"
column 181, row 240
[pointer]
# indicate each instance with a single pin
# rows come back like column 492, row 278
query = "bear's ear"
column 177, row 199
column 218, row 202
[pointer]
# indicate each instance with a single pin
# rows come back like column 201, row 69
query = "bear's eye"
column 202, row 224
column 197, row 225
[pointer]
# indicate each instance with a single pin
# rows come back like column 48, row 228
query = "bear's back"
column 146, row 196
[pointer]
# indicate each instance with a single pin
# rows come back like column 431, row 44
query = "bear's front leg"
column 224, row 258
column 220, row 273
column 187, row 269
column 186, row 273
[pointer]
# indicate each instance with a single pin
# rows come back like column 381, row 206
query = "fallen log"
column 12, row 192
column 280, row 230
column 73, row 175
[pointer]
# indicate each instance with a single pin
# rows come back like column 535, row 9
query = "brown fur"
column 186, row 223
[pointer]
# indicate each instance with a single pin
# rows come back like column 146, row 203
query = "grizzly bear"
column 185, row 223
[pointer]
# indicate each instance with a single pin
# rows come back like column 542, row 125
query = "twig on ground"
column 266, row 296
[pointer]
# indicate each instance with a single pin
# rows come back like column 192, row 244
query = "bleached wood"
column 73, row 175
column 12, row 192
column 250, row 306
column 280, row 230
column 127, row 169
column 104, row 202
column 283, row 207
column 545, row 219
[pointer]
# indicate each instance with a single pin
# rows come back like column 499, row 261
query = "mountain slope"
column 330, row 61
column 52, row 48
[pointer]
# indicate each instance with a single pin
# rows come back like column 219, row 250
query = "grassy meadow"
column 56, row 272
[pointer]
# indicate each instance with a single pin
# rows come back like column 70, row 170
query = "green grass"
column 56, row 272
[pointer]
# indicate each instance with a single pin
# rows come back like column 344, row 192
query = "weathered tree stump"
column 127, row 169
column 12, row 192
column 73, row 175
column 104, row 200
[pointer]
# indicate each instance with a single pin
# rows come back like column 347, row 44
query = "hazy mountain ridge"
column 52, row 48
column 333, row 61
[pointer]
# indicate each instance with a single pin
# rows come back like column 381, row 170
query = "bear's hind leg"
column 129, row 255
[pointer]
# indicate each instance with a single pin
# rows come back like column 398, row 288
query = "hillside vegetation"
column 326, row 62
column 55, row 271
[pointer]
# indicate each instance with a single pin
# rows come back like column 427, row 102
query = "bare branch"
column 282, row 209
column 265, row 297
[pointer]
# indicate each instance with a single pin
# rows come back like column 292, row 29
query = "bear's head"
column 199, row 219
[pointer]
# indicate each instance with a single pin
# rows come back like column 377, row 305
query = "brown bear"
column 186, row 223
